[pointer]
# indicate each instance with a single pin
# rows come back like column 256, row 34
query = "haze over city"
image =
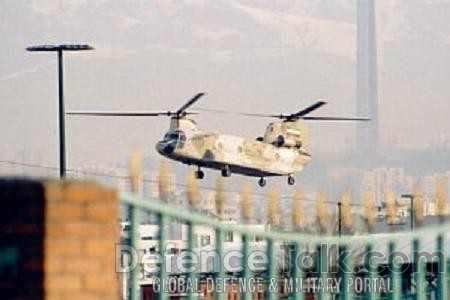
column 266, row 57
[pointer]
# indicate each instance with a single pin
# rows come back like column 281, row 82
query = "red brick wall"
column 81, row 233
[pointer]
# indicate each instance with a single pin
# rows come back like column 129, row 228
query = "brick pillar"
column 67, row 234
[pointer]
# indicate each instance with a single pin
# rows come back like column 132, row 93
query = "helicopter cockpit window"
column 177, row 136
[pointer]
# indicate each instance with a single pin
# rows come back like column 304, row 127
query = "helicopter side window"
column 181, row 139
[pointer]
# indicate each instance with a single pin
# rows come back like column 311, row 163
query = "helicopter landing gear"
column 226, row 172
column 199, row 174
column 262, row 182
column 291, row 180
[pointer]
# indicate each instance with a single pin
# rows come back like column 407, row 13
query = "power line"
column 98, row 174
column 68, row 170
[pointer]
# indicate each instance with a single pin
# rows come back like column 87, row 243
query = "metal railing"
column 418, row 270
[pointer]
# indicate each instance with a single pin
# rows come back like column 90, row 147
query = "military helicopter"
column 282, row 151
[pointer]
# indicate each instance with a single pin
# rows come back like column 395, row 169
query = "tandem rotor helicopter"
column 282, row 151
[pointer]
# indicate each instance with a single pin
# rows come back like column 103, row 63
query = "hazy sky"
column 259, row 56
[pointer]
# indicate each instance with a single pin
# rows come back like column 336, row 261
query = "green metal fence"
column 357, row 259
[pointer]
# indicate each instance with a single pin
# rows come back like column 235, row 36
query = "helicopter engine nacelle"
column 283, row 141
column 284, row 134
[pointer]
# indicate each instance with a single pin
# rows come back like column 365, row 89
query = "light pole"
column 411, row 213
column 59, row 49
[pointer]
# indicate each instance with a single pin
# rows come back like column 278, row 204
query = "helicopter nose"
column 165, row 148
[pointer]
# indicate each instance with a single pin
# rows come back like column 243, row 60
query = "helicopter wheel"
column 226, row 172
column 291, row 180
column 262, row 182
column 199, row 174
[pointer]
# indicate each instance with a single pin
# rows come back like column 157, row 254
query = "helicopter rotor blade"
column 334, row 119
column 182, row 110
column 124, row 113
column 295, row 116
column 308, row 110
column 288, row 117
column 177, row 114
column 228, row 112
column 120, row 113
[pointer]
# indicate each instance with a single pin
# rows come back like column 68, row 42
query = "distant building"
column 207, row 202
column 232, row 210
column 380, row 180
column 204, row 239
column 429, row 188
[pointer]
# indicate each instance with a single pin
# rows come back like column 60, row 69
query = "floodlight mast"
column 61, row 110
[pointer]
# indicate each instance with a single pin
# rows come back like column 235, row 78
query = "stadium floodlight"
column 59, row 49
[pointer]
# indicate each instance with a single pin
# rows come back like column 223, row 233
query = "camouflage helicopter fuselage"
column 282, row 151
column 261, row 158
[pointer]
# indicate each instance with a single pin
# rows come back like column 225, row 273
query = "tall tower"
column 367, row 77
